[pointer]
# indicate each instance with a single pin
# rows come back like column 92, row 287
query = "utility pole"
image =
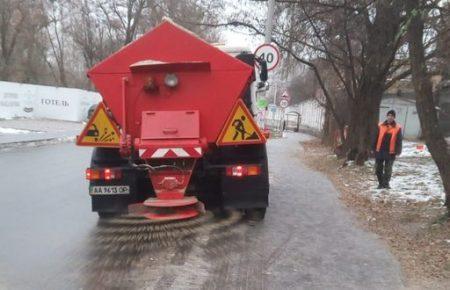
column 268, row 33
column 269, row 20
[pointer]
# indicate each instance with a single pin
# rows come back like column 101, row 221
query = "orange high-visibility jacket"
column 384, row 129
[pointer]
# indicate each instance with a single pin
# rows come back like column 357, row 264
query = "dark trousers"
column 383, row 169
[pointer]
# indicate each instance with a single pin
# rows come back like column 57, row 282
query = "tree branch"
column 295, row 56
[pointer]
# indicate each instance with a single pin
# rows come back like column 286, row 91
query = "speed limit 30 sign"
column 270, row 54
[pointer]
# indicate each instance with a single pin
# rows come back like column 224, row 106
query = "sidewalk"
column 36, row 130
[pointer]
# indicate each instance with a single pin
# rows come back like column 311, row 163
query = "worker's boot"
column 385, row 182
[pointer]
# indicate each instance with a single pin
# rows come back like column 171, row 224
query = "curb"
column 35, row 143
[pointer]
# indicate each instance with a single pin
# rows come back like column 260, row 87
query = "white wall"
column 35, row 101
column 406, row 115
column 312, row 114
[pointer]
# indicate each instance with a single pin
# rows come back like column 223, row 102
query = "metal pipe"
column 124, row 116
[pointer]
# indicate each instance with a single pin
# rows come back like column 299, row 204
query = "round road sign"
column 284, row 103
column 270, row 54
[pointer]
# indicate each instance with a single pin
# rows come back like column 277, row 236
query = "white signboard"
column 36, row 101
column 270, row 54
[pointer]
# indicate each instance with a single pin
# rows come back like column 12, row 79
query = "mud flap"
column 245, row 193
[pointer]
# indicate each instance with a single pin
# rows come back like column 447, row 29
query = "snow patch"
column 13, row 131
column 53, row 141
column 413, row 180
column 414, row 149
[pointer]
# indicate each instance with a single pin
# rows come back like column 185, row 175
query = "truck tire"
column 220, row 213
column 255, row 214
column 106, row 157
column 106, row 215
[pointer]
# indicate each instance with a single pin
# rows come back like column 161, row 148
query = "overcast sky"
column 233, row 36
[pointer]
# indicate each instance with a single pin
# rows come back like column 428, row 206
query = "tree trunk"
column 4, row 70
column 364, row 117
column 327, row 136
column 425, row 104
column 330, row 127
column 333, row 135
column 365, row 105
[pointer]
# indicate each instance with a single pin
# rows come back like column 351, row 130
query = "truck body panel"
column 171, row 94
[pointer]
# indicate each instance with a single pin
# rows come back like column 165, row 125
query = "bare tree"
column 89, row 33
column 359, row 40
column 21, row 41
column 188, row 13
column 441, row 24
column 426, row 107
column 363, row 43
column 123, row 17
column 30, row 64
column 303, row 87
column 12, row 21
column 57, row 38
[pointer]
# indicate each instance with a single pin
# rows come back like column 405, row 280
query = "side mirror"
column 263, row 73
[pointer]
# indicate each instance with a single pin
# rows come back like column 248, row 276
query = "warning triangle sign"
column 100, row 131
column 240, row 128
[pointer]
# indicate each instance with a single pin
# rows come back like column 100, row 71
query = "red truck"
column 174, row 132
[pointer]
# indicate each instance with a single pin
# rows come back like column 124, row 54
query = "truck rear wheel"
column 255, row 214
column 106, row 215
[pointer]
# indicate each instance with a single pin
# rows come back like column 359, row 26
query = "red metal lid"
column 171, row 49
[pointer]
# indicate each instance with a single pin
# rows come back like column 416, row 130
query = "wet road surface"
column 49, row 239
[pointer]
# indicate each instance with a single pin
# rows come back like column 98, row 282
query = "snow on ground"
column 415, row 177
column 14, row 146
column 13, row 131
column 29, row 132
column 414, row 149
column 42, row 125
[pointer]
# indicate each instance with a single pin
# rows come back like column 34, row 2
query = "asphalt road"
column 49, row 239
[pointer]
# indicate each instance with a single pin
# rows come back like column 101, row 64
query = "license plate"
column 109, row 190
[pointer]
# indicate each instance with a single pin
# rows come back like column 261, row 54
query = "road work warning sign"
column 240, row 128
column 100, row 131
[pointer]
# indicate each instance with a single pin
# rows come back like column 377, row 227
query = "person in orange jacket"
column 387, row 145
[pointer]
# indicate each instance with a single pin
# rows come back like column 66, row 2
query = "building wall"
column 35, row 101
column 444, row 104
column 406, row 115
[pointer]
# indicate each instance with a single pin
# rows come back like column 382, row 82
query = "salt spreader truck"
column 174, row 132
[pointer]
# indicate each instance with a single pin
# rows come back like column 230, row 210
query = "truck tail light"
column 243, row 170
column 103, row 174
